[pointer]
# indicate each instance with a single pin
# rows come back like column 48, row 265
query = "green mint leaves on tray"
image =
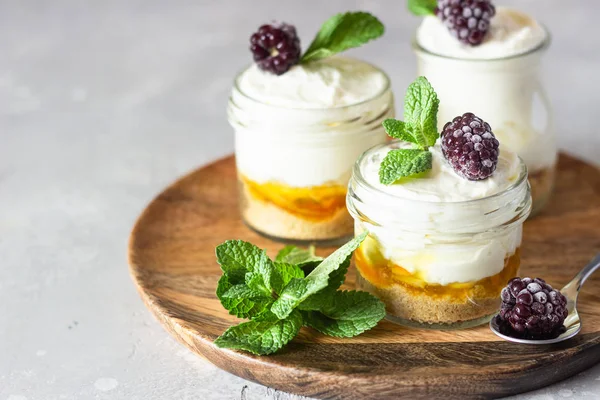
column 419, row 128
column 342, row 32
column 297, row 289
column 422, row 7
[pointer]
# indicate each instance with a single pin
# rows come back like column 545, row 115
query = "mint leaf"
column 306, row 259
column 297, row 256
column 223, row 286
column 287, row 273
column 403, row 162
column 242, row 291
column 256, row 282
column 422, row 7
column 337, row 277
column 342, row 32
column 320, row 275
column 399, row 130
column 237, row 257
column 273, row 277
column 420, row 112
column 299, row 290
column 294, row 293
column 242, row 307
column 261, row 337
column 283, row 253
column 345, row 314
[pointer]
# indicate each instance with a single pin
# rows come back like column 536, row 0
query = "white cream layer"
column 331, row 82
column 505, row 92
column 437, row 254
column 441, row 183
column 308, row 126
column 511, row 33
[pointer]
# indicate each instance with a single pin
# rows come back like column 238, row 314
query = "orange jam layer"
column 315, row 203
column 382, row 273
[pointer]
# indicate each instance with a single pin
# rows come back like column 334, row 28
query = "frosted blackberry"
column 467, row 20
column 470, row 147
column 275, row 48
column 532, row 309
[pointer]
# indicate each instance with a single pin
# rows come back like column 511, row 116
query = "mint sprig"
column 279, row 297
column 419, row 128
column 422, row 7
column 342, row 32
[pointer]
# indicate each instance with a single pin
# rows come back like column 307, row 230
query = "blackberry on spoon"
column 533, row 309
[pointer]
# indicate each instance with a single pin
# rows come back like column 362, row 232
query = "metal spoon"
column 572, row 322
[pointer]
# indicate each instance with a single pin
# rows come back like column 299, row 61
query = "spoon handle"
column 571, row 290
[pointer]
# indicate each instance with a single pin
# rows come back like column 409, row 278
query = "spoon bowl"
column 573, row 329
column 572, row 322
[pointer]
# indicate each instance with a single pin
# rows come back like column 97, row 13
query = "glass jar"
column 437, row 265
column 293, row 164
column 508, row 94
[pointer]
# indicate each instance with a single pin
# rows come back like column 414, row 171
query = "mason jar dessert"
column 488, row 60
column 297, row 134
column 444, row 219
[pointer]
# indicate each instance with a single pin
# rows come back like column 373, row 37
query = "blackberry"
column 470, row 147
column 467, row 20
column 275, row 48
column 532, row 309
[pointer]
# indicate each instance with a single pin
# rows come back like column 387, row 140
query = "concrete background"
column 104, row 103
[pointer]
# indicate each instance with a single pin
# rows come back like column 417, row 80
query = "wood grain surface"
column 172, row 261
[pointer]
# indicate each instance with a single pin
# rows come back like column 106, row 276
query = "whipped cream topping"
column 511, row 33
column 331, row 82
column 439, row 226
column 442, row 183
column 308, row 126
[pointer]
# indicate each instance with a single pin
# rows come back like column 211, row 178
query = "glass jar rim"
column 358, row 177
column 386, row 88
column 542, row 46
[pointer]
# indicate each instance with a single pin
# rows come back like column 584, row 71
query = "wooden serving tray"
column 172, row 259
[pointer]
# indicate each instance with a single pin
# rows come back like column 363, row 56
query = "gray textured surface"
column 104, row 103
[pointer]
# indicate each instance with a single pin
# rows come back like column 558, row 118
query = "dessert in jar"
column 488, row 60
column 444, row 217
column 300, row 123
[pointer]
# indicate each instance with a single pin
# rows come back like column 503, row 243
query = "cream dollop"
column 511, row 33
column 442, row 183
column 328, row 83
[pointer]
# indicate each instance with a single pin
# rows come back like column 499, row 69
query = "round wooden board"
column 171, row 254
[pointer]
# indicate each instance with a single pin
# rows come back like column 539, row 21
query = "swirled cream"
column 441, row 183
column 328, row 83
column 511, row 33
column 307, row 127
column 497, row 80
column 439, row 226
